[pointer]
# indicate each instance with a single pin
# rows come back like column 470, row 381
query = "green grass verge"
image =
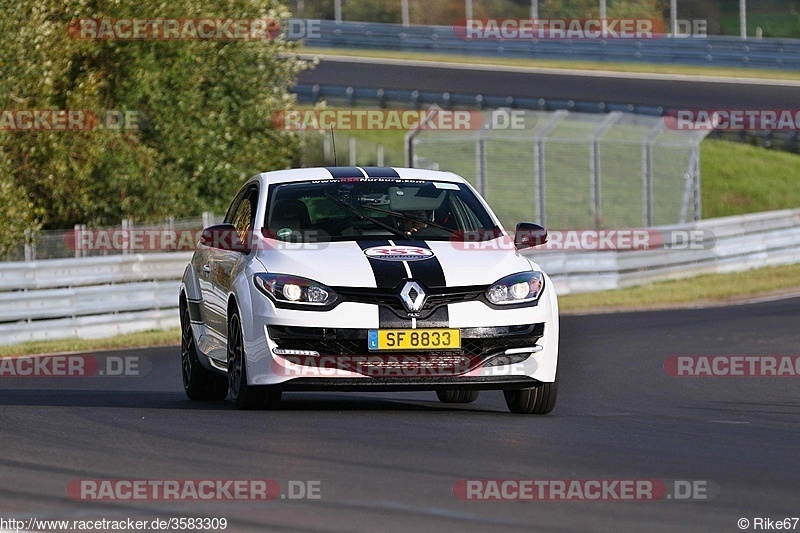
column 739, row 178
column 784, row 25
column 129, row 340
column 707, row 289
column 686, row 70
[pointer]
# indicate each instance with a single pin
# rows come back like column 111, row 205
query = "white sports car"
column 367, row 278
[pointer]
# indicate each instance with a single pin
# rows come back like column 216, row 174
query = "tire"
column 199, row 383
column 457, row 395
column 536, row 400
column 245, row 396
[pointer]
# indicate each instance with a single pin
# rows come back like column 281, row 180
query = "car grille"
column 390, row 298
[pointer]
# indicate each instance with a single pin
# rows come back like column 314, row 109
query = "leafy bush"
column 202, row 107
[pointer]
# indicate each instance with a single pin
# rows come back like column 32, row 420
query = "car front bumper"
column 322, row 350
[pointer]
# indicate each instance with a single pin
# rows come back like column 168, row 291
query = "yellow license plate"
column 414, row 339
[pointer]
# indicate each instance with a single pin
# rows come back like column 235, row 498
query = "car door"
column 222, row 265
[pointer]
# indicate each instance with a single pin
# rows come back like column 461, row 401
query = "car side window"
column 242, row 216
column 233, row 207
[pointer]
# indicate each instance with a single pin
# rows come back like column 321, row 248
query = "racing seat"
column 292, row 214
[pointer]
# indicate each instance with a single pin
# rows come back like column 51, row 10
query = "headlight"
column 282, row 288
column 516, row 288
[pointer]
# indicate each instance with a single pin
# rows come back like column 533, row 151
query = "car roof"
column 327, row 173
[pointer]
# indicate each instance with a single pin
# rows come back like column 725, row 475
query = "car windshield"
column 375, row 208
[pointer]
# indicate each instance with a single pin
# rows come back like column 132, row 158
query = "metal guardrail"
column 353, row 96
column 717, row 51
column 741, row 243
column 104, row 296
column 89, row 297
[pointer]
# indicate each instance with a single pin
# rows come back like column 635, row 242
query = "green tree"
column 203, row 110
column 388, row 11
column 651, row 9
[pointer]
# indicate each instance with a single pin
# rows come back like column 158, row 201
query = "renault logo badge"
column 413, row 297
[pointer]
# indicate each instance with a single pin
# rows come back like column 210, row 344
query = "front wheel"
column 538, row 400
column 245, row 396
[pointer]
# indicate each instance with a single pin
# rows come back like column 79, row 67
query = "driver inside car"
column 411, row 226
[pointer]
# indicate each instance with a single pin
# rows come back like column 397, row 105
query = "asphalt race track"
column 389, row 461
column 667, row 91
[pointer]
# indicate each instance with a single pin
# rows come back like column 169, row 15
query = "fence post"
column 171, row 233
column 77, row 230
column 127, row 226
column 480, row 163
column 594, row 164
column 410, row 137
column 539, row 182
column 326, row 147
column 691, row 190
column 698, row 204
column 380, row 155
column 352, row 146
column 408, row 148
column 30, row 248
column 647, row 162
column 647, row 172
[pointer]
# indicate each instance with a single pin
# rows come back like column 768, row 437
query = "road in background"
column 676, row 92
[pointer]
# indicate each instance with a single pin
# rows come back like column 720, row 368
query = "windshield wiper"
column 361, row 216
column 412, row 217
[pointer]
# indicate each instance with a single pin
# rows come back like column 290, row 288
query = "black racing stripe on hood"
column 381, row 172
column 345, row 172
column 392, row 274
column 427, row 271
column 388, row 274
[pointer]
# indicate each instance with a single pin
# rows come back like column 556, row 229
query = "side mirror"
column 224, row 237
column 528, row 234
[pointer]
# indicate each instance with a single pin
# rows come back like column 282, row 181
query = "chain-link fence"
column 571, row 170
column 126, row 238
column 322, row 149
